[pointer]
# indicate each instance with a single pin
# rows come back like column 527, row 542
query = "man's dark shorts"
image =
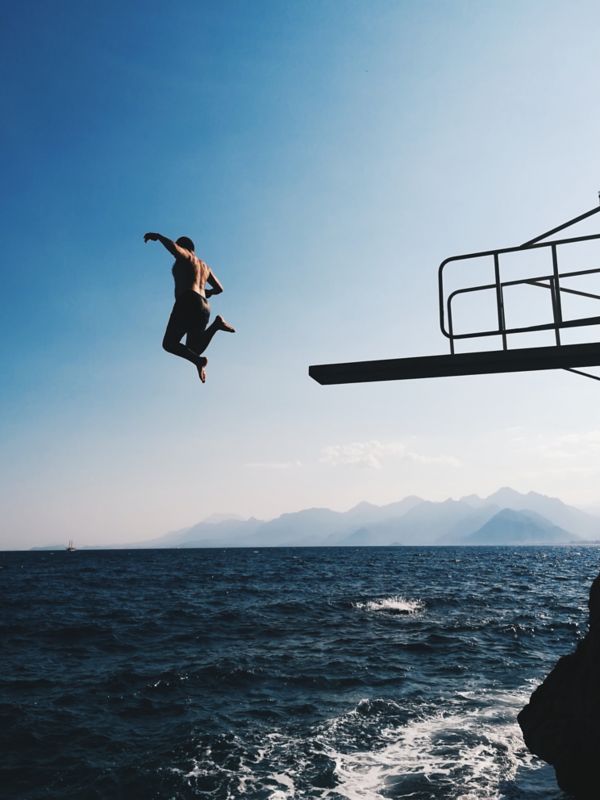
column 190, row 314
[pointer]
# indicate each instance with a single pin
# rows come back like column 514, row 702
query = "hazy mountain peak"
column 538, row 496
column 505, row 495
column 364, row 505
column 216, row 518
column 511, row 527
column 314, row 511
column 472, row 500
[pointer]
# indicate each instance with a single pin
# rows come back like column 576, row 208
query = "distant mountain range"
column 505, row 517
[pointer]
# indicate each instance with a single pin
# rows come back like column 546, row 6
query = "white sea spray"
column 395, row 604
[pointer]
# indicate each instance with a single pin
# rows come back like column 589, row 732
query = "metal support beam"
column 558, row 228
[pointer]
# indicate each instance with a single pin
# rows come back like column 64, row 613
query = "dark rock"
column 561, row 723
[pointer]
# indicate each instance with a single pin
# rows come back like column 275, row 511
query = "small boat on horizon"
column 70, row 547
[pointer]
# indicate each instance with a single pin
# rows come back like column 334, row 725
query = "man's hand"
column 170, row 245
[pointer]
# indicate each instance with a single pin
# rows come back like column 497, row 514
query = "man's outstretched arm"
column 170, row 245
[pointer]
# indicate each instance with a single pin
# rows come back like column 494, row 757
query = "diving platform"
column 557, row 284
column 568, row 356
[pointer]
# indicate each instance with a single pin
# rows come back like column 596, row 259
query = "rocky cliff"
column 561, row 723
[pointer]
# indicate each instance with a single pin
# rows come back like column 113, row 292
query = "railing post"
column 450, row 325
column 500, row 302
column 556, row 301
column 554, row 310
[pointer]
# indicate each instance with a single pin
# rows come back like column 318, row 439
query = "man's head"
column 185, row 241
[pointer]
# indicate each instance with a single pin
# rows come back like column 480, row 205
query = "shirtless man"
column 191, row 310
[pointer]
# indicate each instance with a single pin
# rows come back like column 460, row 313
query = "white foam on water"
column 237, row 781
column 287, row 782
column 281, row 747
column 472, row 750
column 395, row 604
column 462, row 754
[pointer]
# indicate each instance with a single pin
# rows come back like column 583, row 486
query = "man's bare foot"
column 224, row 326
column 201, row 366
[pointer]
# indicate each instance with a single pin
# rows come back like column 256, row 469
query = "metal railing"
column 550, row 281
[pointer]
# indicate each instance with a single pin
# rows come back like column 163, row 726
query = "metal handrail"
column 535, row 281
column 445, row 305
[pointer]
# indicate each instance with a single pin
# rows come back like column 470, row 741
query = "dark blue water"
column 281, row 673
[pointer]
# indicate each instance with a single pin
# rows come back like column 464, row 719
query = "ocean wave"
column 464, row 753
column 395, row 604
column 473, row 750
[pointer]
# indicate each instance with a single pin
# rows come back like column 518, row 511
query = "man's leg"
column 198, row 340
column 174, row 333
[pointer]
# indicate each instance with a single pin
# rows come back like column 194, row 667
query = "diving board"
column 571, row 357
column 567, row 356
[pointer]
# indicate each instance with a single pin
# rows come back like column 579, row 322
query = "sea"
column 279, row 673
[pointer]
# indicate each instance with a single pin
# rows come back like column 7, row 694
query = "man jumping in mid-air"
column 191, row 310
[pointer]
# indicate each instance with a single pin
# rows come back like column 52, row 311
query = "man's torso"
column 190, row 274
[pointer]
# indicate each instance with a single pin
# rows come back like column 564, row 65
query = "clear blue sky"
column 325, row 157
